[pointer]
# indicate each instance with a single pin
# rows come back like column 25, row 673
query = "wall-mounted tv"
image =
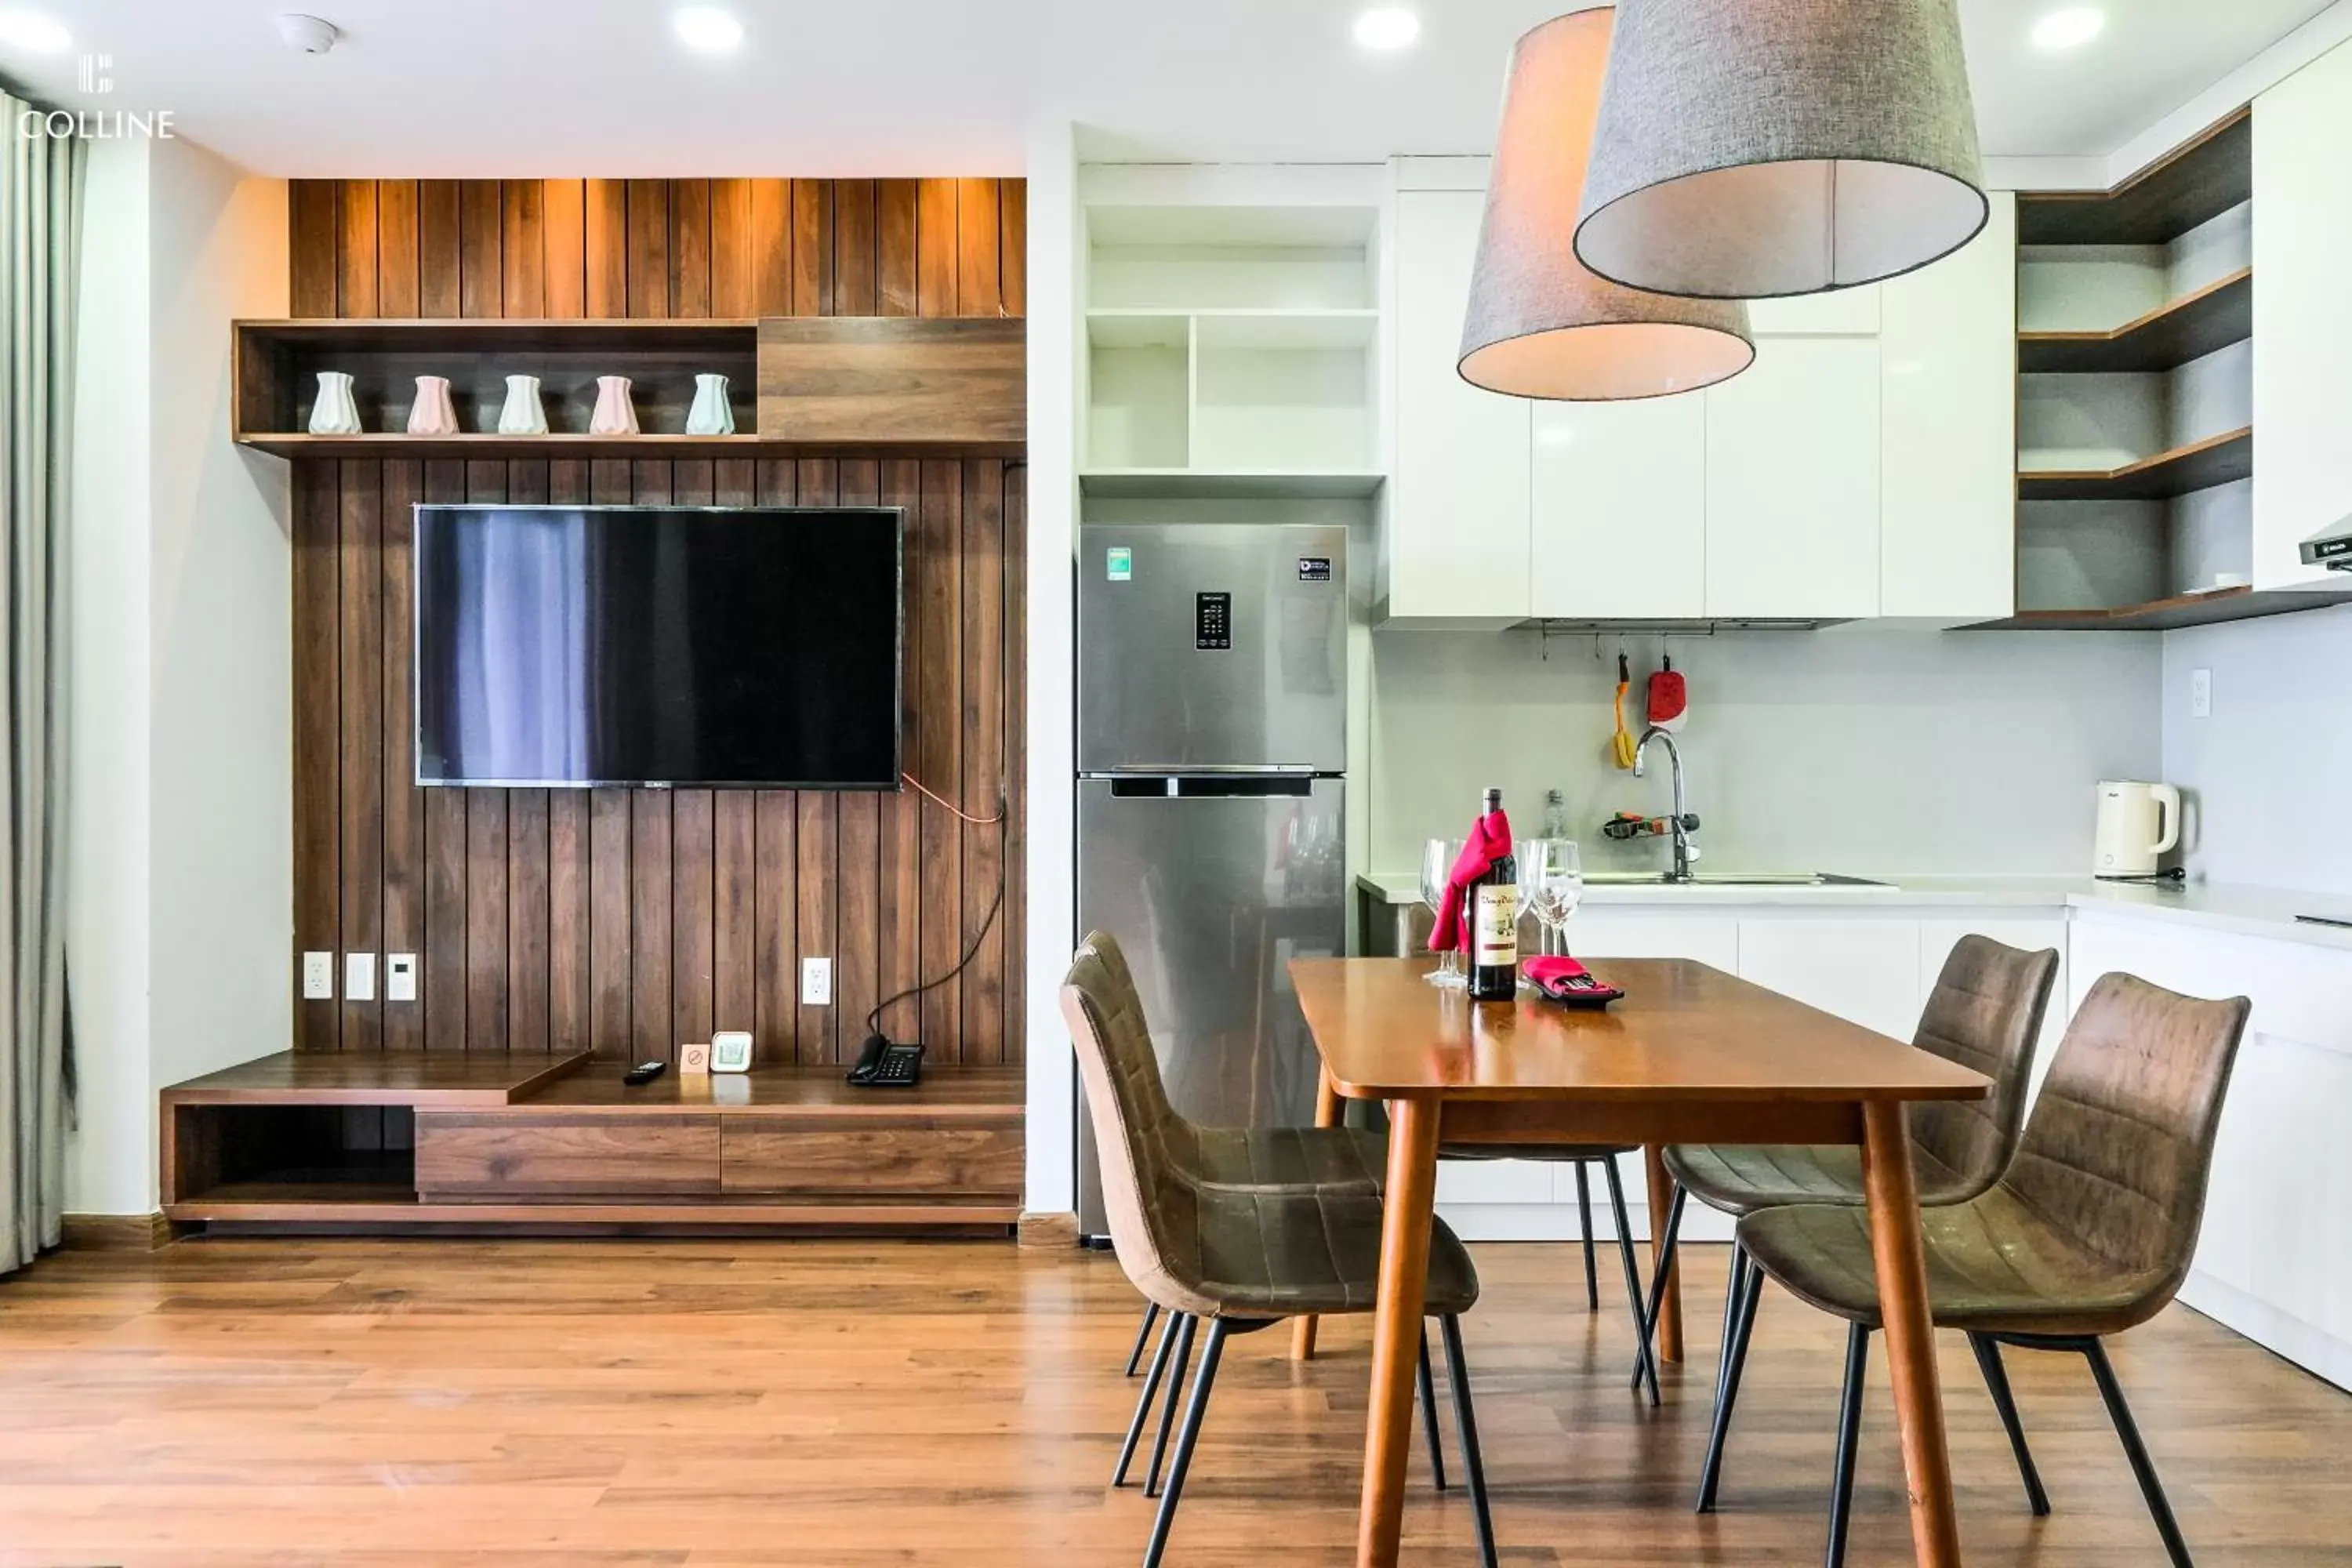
column 708, row 646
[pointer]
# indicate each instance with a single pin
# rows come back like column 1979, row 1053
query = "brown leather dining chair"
column 1234, row 1257
column 2089, row 1234
column 1984, row 1012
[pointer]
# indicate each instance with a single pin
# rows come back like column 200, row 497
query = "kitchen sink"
column 1728, row 879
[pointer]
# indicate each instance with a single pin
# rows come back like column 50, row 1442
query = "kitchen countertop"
column 2246, row 910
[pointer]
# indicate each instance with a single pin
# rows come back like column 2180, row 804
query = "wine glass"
column 1551, row 881
column 1437, row 860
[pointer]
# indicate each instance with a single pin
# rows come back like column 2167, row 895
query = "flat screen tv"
column 711, row 646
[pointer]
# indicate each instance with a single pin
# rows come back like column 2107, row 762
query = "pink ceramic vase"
column 615, row 416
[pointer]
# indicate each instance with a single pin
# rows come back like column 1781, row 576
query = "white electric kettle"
column 2137, row 822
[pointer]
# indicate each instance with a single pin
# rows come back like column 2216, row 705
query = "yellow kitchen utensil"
column 1621, row 744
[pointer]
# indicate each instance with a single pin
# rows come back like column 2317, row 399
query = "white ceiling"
column 867, row 87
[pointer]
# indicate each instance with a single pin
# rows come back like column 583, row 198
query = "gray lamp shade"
column 1754, row 148
column 1540, row 324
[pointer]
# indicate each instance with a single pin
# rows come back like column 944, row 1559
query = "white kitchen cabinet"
column 1620, row 508
column 1864, row 968
column 1457, row 497
column 1948, row 431
column 1793, row 482
column 2302, row 315
column 1618, row 932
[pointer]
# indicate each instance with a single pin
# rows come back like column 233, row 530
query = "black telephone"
column 882, row 1065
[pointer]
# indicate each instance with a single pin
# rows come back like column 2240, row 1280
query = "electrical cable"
column 988, row 921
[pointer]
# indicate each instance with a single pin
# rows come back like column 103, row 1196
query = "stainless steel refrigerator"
column 1213, row 748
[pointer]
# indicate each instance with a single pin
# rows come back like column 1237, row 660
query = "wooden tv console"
column 391, row 1140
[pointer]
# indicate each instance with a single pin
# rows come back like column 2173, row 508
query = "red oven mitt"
column 1566, row 980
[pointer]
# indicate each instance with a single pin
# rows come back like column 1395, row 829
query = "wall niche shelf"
column 1231, row 352
column 2196, row 324
column 2200, row 465
column 2171, row 614
column 833, row 365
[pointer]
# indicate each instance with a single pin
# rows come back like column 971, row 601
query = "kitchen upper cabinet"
column 1456, row 529
column 1948, row 431
column 2302, row 315
column 1792, row 476
column 1620, row 509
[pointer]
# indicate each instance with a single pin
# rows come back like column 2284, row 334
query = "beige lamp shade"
column 1540, row 324
column 1749, row 149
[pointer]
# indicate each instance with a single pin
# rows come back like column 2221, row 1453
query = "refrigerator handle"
column 1214, row 786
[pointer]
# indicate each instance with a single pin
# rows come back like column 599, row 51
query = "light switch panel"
column 400, row 977
column 359, row 977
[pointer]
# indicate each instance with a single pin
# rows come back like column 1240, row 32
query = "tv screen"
column 566, row 644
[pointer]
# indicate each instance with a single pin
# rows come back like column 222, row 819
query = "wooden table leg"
column 1670, row 1309
column 1406, row 1212
column 1902, row 1267
column 1327, row 1115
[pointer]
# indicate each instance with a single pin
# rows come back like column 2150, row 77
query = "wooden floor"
column 362, row 1401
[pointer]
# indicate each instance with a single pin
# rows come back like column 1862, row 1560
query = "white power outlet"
column 359, row 977
column 317, row 977
column 2201, row 694
column 400, row 977
column 816, row 982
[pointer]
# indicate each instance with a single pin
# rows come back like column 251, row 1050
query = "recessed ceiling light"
column 1387, row 28
column 34, row 33
column 2070, row 28
column 708, row 29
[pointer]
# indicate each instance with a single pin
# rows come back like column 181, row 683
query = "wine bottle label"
column 1495, row 925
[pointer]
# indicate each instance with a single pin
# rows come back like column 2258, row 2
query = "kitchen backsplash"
column 1855, row 749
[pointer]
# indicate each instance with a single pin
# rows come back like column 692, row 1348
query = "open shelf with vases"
column 953, row 384
column 2135, row 433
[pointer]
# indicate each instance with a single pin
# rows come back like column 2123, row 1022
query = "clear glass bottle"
column 1555, row 817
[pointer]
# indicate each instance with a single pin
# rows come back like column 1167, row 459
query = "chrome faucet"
column 1684, row 823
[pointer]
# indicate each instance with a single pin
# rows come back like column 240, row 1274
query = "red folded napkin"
column 1563, row 979
column 1489, row 841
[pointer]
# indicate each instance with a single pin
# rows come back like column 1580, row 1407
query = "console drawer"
column 861, row 1157
column 511, row 1156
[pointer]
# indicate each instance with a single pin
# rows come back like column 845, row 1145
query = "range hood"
column 2331, row 547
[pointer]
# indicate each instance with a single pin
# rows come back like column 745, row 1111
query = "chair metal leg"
column 1731, row 1290
column 1592, row 1258
column 1995, row 1376
column 1142, row 1334
column 1657, row 1298
column 1857, row 1365
column 1150, row 1394
column 1645, row 1369
column 2120, row 1411
column 1198, row 1406
column 1711, row 1473
column 1168, row 1411
column 1472, row 1464
column 1429, row 1416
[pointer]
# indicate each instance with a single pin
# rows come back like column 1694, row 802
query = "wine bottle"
column 1494, row 912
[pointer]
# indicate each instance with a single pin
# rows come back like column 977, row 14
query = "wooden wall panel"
column 624, row 921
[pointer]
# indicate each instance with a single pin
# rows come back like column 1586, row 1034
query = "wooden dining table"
column 1689, row 1055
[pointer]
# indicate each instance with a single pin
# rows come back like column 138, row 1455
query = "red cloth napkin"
column 1563, row 979
column 1490, row 841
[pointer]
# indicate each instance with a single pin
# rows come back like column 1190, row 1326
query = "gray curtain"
column 40, row 243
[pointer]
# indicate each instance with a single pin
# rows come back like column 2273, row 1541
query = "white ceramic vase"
column 334, row 413
column 433, row 413
column 711, row 415
column 615, row 415
column 522, row 416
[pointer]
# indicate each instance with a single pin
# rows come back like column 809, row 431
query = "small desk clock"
column 731, row 1051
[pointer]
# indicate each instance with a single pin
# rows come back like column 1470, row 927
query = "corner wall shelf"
column 2216, row 460
column 2171, row 614
column 2195, row 183
column 2165, row 338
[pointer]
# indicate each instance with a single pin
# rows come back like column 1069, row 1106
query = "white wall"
column 2265, row 775
column 180, row 872
column 1854, row 750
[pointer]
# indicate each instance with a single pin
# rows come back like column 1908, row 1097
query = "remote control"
column 644, row 1073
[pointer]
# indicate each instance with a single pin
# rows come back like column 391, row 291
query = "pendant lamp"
column 1539, row 325
column 1754, row 148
